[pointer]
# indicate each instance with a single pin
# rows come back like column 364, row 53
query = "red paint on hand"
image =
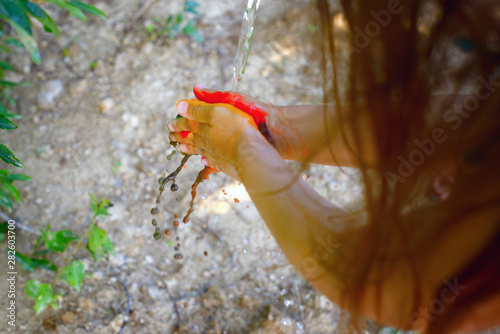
column 184, row 134
column 234, row 99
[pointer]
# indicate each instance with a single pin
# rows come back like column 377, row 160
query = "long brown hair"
column 399, row 55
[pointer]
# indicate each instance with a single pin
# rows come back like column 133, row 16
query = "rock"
column 85, row 304
column 77, row 88
column 116, row 323
column 48, row 94
column 68, row 317
column 49, row 64
column 106, row 105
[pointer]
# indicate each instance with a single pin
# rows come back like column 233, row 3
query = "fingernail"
column 200, row 86
column 182, row 107
column 204, row 161
column 170, row 127
column 183, row 148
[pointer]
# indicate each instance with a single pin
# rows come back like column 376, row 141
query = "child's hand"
column 214, row 132
column 270, row 120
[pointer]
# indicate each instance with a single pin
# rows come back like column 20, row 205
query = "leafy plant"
column 8, row 192
column 181, row 23
column 72, row 272
column 18, row 14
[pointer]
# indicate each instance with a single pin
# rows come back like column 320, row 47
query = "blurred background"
column 93, row 120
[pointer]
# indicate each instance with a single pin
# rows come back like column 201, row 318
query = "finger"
column 186, row 124
column 191, row 138
column 190, row 149
column 207, row 163
column 195, row 110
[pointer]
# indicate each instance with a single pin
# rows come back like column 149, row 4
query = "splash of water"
column 245, row 43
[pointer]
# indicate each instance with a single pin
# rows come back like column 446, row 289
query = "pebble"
column 49, row 93
column 106, row 105
column 78, row 87
column 68, row 317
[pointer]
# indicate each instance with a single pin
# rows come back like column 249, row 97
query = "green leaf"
column 97, row 238
column 89, row 9
column 15, row 11
column 32, row 288
column 58, row 241
column 6, row 124
column 7, row 83
column 93, row 203
column 75, row 11
column 8, row 157
column 102, row 211
column 108, row 246
column 96, row 255
column 5, row 200
column 74, row 274
column 192, row 31
column 3, row 111
column 190, row 6
column 45, row 297
column 13, row 41
column 44, row 18
column 178, row 18
column 17, row 177
column 27, row 40
column 5, row 65
column 12, row 190
column 43, row 263
column 25, row 262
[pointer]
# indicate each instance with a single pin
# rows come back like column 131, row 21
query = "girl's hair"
column 384, row 61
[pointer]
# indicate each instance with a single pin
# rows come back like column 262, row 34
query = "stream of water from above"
column 244, row 46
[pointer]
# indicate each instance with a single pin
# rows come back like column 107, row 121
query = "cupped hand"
column 214, row 131
column 270, row 119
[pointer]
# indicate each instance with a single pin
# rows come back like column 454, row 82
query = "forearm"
column 296, row 215
column 311, row 133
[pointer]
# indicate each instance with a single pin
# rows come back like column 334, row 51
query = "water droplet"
column 174, row 187
column 176, row 248
column 176, row 216
column 178, row 256
column 185, row 220
column 205, row 253
column 204, row 196
column 158, row 200
column 161, row 180
column 154, row 222
column 236, row 200
column 169, row 157
column 154, row 211
column 157, row 234
column 167, row 232
column 176, row 223
column 286, row 321
column 288, row 302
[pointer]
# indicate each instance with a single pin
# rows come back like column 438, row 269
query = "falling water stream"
column 245, row 43
column 244, row 46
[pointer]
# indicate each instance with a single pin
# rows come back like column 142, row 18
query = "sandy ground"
column 103, row 131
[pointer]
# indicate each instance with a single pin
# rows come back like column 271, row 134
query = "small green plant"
column 72, row 271
column 181, row 23
column 8, row 192
column 16, row 15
